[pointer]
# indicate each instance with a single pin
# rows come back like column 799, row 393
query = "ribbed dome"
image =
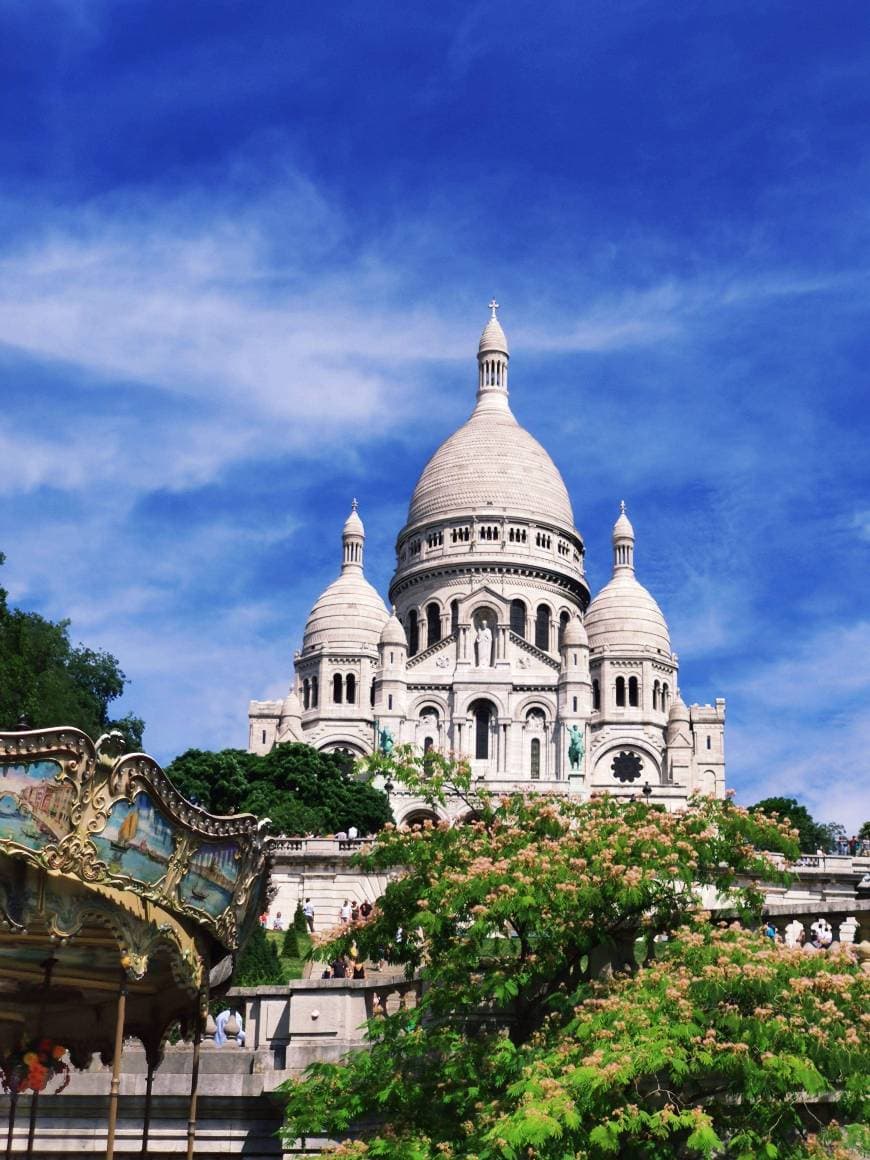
column 622, row 529
column 493, row 338
column 574, row 634
column 393, row 632
column 491, row 461
column 678, row 711
column 349, row 614
column 624, row 615
column 353, row 525
column 291, row 707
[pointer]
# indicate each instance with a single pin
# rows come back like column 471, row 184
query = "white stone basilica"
column 493, row 650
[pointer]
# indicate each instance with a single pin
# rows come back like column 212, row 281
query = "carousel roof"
column 109, row 878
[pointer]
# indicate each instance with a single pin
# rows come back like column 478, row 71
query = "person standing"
column 308, row 911
column 344, row 913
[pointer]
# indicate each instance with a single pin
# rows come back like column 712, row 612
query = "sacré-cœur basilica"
column 493, row 649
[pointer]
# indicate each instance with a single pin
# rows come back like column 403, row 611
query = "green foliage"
column 290, row 948
column 299, row 920
column 864, row 832
column 300, row 789
column 538, row 1034
column 46, row 679
column 811, row 834
column 258, row 964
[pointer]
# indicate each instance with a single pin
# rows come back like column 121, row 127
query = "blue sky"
column 244, row 261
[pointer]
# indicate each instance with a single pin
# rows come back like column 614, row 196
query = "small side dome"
column 575, row 634
column 349, row 614
column 291, row 707
column 394, row 633
column 625, row 616
column 290, row 721
column 678, row 710
column 678, row 719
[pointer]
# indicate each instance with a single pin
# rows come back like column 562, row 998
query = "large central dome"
column 491, row 462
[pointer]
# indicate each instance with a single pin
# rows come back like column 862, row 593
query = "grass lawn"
column 292, row 966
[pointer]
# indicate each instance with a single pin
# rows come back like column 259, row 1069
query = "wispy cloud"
column 802, row 725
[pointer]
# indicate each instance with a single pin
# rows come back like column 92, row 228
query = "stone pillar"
column 503, row 726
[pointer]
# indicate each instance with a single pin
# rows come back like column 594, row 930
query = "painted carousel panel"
column 137, row 841
column 34, row 804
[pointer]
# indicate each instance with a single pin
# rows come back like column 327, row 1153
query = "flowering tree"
column 553, row 1023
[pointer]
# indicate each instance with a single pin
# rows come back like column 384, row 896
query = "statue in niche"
column 385, row 741
column 483, row 644
column 576, row 748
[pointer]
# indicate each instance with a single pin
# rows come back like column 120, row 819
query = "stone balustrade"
column 311, row 1020
column 320, row 869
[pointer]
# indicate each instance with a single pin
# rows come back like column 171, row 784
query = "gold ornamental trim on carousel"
column 110, row 819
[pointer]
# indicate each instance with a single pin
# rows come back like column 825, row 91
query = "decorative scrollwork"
column 75, row 854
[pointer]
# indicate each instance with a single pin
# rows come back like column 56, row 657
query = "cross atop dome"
column 494, row 307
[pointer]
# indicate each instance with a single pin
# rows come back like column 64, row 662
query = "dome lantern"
column 492, row 362
column 623, row 542
column 353, row 538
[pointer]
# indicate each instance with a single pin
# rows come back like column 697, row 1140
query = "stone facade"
column 493, row 650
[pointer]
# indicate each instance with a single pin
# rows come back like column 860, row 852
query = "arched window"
column 564, row 617
column 620, row 692
column 596, row 695
column 574, row 710
column 454, row 615
column 535, row 758
column 655, row 695
column 433, row 624
column 518, row 618
column 666, row 696
column 413, row 633
column 709, row 741
column 428, row 743
column 542, row 628
column 336, row 688
column 306, row 694
column 482, row 719
column 633, row 692
column 372, row 692
column 315, row 692
column 350, row 689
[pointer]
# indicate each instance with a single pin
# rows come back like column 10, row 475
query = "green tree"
column 864, row 832
column 300, row 789
column 259, row 964
column 552, row 1024
column 299, row 920
column 290, row 946
column 47, row 680
column 810, row 834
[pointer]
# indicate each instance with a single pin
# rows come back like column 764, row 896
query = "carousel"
column 122, row 909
